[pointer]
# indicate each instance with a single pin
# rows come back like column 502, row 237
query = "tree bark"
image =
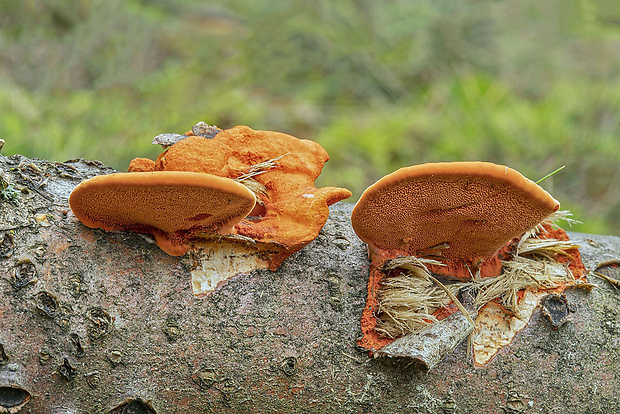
column 91, row 320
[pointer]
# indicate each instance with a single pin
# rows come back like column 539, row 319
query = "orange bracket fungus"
column 439, row 231
column 167, row 204
column 235, row 199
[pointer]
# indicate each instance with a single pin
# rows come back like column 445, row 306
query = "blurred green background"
column 380, row 84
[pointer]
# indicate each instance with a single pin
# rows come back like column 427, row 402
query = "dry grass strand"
column 408, row 299
column 247, row 178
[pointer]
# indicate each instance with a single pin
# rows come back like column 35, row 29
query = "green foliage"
column 380, row 85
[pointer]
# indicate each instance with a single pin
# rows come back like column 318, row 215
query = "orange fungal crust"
column 141, row 165
column 293, row 210
column 372, row 341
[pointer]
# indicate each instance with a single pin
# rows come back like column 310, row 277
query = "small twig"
column 608, row 263
column 614, row 282
column 613, row 262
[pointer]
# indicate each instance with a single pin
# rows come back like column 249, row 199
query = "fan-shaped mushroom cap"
column 166, row 204
column 462, row 211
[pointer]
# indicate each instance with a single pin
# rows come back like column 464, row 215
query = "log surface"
column 90, row 320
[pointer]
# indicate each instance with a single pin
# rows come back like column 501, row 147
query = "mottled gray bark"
column 90, row 320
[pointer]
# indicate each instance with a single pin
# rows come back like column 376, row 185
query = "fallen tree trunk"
column 96, row 322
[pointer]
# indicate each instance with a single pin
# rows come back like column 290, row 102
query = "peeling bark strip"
column 107, row 322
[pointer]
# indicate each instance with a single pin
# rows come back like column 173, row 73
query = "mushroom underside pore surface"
column 167, row 205
column 461, row 213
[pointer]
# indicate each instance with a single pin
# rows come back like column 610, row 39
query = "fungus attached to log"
column 461, row 213
column 467, row 221
column 290, row 209
column 278, row 169
column 165, row 204
column 293, row 209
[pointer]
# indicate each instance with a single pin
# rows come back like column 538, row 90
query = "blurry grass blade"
column 550, row 174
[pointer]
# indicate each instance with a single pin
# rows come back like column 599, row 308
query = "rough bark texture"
column 89, row 320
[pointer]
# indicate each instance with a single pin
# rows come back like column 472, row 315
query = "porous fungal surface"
column 274, row 169
column 165, row 204
column 484, row 228
column 462, row 213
